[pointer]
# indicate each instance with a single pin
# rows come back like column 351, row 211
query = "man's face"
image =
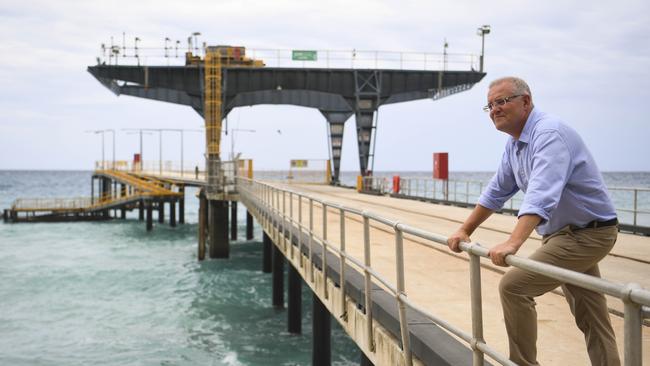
column 511, row 116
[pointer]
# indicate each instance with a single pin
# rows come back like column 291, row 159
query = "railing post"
column 311, row 238
column 636, row 191
column 300, row 230
column 477, row 307
column 291, row 226
column 633, row 323
column 284, row 221
column 344, row 313
column 324, row 253
column 403, row 321
column 368, row 284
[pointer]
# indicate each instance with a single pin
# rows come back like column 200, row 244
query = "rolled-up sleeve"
column 501, row 187
column 549, row 174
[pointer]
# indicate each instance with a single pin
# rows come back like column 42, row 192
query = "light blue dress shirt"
column 560, row 180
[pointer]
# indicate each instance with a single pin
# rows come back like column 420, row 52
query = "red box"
column 441, row 165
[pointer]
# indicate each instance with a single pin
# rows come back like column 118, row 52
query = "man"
column 566, row 201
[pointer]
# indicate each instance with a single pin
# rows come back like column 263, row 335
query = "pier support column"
column 181, row 205
column 203, row 220
column 322, row 332
column 249, row 226
column 141, row 210
column 267, row 247
column 278, row 278
column 233, row 220
column 218, row 228
column 149, row 215
column 122, row 195
column 161, row 211
column 172, row 213
column 365, row 361
column 294, row 313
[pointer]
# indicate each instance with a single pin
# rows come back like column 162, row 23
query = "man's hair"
column 520, row 85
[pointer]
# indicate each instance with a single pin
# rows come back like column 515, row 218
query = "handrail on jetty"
column 271, row 200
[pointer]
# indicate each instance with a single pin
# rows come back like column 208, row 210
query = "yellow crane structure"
column 216, row 58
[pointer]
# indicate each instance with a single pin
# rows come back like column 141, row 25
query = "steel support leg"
column 218, row 228
column 161, row 211
column 364, row 360
column 141, row 210
column 172, row 213
column 278, row 278
column 233, row 220
column 149, row 216
column 321, row 350
column 294, row 313
column 267, row 247
column 203, row 203
column 249, row 226
column 181, row 206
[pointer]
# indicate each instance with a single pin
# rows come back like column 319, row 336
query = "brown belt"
column 596, row 224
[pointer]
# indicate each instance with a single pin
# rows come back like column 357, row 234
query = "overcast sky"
column 586, row 61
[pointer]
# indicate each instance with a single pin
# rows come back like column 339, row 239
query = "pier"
column 375, row 263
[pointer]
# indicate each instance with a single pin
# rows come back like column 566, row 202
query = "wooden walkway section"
column 438, row 280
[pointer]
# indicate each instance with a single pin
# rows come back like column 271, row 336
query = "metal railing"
column 632, row 203
column 270, row 201
column 326, row 58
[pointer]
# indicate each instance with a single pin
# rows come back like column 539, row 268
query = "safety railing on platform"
column 50, row 204
column 271, row 202
column 175, row 169
column 302, row 58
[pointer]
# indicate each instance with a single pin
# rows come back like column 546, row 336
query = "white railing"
column 326, row 58
column 632, row 203
column 270, row 202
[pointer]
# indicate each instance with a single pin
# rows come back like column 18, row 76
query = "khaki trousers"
column 577, row 250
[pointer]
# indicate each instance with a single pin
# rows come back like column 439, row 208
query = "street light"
column 482, row 31
column 102, row 133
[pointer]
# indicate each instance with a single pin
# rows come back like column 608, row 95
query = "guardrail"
column 632, row 203
column 272, row 201
column 326, row 58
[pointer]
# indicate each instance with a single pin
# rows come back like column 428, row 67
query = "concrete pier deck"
column 438, row 280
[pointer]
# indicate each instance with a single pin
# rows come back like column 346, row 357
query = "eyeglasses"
column 499, row 102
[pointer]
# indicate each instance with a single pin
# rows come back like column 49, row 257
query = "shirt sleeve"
column 551, row 165
column 501, row 187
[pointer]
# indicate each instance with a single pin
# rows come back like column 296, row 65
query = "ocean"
column 109, row 293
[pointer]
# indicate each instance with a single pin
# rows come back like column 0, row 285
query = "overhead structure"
column 337, row 93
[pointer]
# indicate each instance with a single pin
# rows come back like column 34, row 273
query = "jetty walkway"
column 393, row 243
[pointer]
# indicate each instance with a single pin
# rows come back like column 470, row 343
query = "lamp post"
column 102, row 133
column 482, row 31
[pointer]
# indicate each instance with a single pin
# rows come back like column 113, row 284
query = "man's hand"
column 498, row 253
column 453, row 242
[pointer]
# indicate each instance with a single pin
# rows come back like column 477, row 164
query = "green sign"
column 304, row 55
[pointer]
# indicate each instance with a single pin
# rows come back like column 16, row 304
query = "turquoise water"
column 109, row 293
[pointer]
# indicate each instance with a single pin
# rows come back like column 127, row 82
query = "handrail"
column 265, row 197
column 626, row 199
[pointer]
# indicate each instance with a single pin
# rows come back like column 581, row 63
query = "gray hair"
column 520, row 85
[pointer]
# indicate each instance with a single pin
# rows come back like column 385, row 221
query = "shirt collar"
column 528, row 127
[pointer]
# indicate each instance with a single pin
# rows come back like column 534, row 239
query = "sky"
column 587, row 62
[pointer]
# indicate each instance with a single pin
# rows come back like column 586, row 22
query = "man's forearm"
column 476, row 218
column 525, row 226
